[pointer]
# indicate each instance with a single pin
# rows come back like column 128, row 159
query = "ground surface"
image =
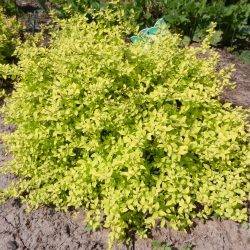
column 48, row 229
column 240, row 96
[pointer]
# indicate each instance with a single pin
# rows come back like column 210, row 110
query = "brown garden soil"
column 46, row 228
column 240, row 96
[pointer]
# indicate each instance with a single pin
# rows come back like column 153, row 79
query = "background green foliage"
column 9, row 7
column 244, row 56
column 190, row 18
column 193, row 17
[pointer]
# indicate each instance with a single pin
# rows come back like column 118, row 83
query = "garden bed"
column 48, row 229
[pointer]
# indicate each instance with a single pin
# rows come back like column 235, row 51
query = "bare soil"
column 240, row 96
column 46, row 228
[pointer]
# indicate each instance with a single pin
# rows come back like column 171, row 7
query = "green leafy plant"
column 132, row 133
column 244, row 56
column 9, row 7
column 192, row 18
column 188, row 246
column 158, row 245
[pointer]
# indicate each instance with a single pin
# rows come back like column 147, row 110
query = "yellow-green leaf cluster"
column 9, row 33
column 134, row 134
column 9, row 29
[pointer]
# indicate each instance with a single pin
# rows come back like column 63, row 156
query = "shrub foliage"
column 9, row 32
column 134, row 134
column 9, row 35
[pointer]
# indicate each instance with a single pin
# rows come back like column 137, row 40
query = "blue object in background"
column 143, row 32
column 152, row 31
column 147, row 32
column 134, row 39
